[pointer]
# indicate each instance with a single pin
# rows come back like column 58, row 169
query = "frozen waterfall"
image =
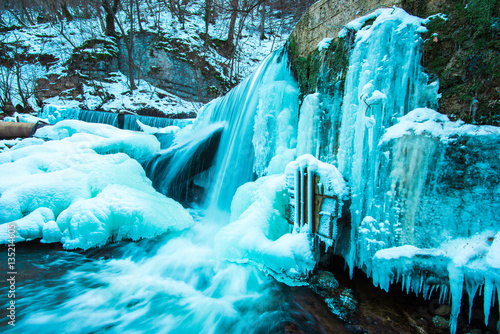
column 410, row 190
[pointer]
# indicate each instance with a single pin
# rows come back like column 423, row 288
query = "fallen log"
column 11, row 130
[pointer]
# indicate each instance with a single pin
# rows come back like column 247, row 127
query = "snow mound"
column 152, row 130
column 260, row 234
column 102, row 138
column 381, row 16
column 68, row 190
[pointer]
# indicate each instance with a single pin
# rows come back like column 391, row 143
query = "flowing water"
column 177, row 283
column 172, row 284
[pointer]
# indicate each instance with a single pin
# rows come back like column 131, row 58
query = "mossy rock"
column 463, row 52
column 320, row 71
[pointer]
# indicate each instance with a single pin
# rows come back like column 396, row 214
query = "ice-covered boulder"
column 70, row 190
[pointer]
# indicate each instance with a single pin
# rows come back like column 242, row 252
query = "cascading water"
column 259, row 117
column 129, row 122
column 260, row 99
column 172, row 169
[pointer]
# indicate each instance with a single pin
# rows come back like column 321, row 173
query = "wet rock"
column 344, row 305
column 443, row 310
column 440, row 322
column 475, row 331
column 324, row 283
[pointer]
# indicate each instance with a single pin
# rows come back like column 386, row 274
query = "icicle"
column 471, row 286
column 432, row 290
column 408, row 283
column 443, row 294
column 488, row 296
column 456, row 287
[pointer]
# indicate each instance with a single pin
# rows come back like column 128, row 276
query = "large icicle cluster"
column 82, row 188
column 404, row 164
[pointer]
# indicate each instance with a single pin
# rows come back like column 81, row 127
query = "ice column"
column 384, row 81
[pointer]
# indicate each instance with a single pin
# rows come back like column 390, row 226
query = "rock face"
column 173, row 66
column 55, row 85
column 326, row 18
column 168, row 64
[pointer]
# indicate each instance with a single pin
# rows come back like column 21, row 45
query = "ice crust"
column 83, row 189
column 259, row 232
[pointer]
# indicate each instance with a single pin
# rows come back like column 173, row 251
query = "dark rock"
column 323, row 283
column 440, row 322
column 171, row 65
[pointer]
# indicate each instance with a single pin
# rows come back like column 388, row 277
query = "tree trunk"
column 110, row 16
column 65, row 12
column 22, row 94
column 262, row 22
column 232, row 23
column 130, row 49
column 138, row 16
column 208, row 18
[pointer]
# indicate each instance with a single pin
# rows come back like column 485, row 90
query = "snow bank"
column 152, row 130
column 381, row 15
column 102, row 138
column 68, row 190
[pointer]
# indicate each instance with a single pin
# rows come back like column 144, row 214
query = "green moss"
column 320, row 71
column 463, row 52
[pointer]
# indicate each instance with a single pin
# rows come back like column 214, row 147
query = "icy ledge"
column 71, row 190
column 430, row 122
column 473, row 261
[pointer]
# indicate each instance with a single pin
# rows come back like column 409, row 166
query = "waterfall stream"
column 172, row 284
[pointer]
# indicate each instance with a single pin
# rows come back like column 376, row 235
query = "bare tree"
column 209, row 7
column 138, row 8
column 111, row 9
column 128, row 40
column 234, row 15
